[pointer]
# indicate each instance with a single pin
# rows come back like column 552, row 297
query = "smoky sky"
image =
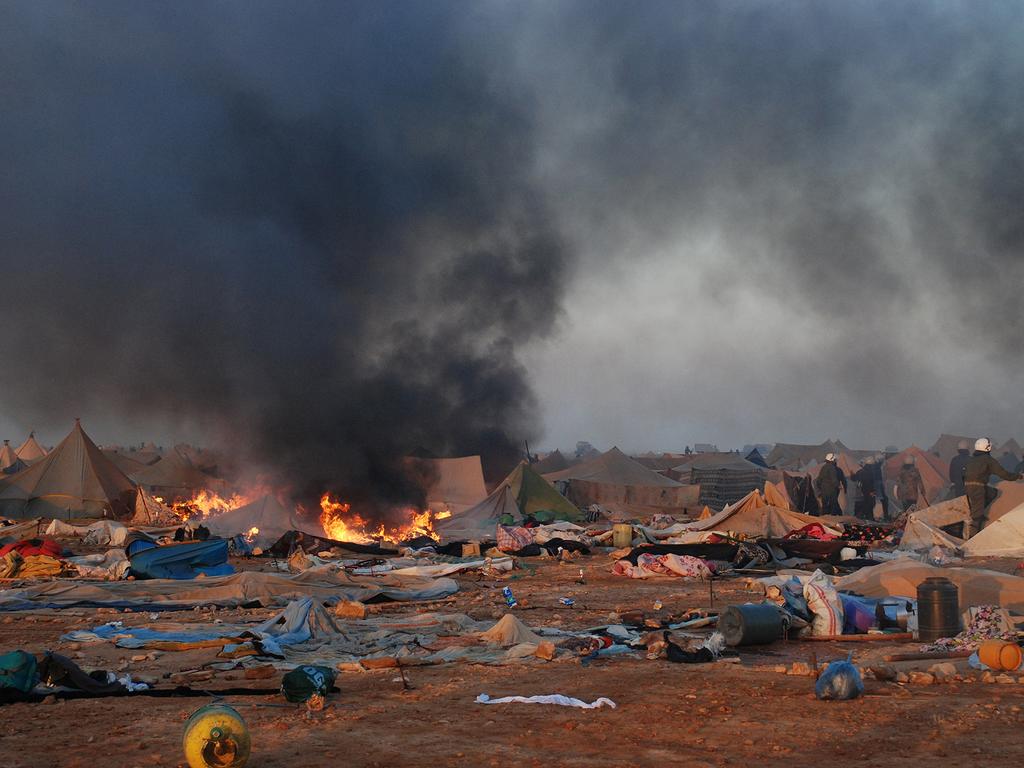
column 322, row 235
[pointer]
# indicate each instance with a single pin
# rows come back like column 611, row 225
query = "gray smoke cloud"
column 796, row 221
column 329, row 233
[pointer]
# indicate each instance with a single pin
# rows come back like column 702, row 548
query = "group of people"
column 968, row 476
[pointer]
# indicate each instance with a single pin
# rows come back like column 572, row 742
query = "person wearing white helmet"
column 956, row 469
column 979, row 468
column 830, row 479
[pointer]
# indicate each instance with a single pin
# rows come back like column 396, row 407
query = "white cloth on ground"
column 555, row 698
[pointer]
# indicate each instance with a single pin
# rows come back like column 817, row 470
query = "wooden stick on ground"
column 901, row 637
column 927, row 655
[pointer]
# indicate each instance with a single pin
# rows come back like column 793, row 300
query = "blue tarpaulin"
column 183, row 561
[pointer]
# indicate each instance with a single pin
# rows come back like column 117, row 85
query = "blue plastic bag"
column 840, row 681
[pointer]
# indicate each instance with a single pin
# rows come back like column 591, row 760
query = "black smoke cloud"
column 311, row 230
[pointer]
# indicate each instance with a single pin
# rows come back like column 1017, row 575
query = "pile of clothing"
column 32, row 559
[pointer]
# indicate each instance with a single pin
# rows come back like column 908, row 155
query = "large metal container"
column 938, row 609
column 750, row 624
column 894, row 612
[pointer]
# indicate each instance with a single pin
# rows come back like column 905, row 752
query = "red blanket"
column 27, row 547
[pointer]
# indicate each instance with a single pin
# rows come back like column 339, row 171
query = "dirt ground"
column 704, row 715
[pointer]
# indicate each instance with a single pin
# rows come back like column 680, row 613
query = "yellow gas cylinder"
column 216, row 737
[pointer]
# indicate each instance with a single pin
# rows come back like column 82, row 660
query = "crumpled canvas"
column 510, row 631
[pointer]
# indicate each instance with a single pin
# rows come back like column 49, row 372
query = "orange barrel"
column 1000, row 654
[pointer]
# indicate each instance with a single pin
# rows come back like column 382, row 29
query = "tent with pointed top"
column 755, row 457
column 123, row 462
column 624, row 487
column 553, row 462
column 9, row 462
column 30, row 451
column 174, row 477
column 946, row 446
column 272, row 517
column 523, row 492
column 74, row 480
column 480, row 522
column 796, row 455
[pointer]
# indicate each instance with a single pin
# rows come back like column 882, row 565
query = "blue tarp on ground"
column 183, row 561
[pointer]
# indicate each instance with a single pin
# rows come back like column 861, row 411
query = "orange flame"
column 204, row 503
column 342, row 524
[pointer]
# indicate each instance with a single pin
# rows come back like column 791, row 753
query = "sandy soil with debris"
column 704, row 715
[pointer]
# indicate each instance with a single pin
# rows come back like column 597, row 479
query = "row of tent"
column 13, row 460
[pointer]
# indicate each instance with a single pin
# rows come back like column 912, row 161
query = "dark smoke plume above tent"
column 332, row 232
column 313, row 228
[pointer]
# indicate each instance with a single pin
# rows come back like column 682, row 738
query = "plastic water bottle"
column 510, row 601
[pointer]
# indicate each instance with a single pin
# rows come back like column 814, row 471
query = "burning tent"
column 455, row 484
column 150, row 512
column 74, row 480
column 174, row 477
column 262, row 521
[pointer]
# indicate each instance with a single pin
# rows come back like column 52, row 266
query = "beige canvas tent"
column 123, row 462
column 923, row 528
column 1010, row 495
column 523, row 492
column 9, row 461
column 553, row 462
column 174, row 477
column 456, row 484
column 754, row 518
column 30, row 451
column 480, row 521
column 74, row 480
column 933, row 474
column 624, row 487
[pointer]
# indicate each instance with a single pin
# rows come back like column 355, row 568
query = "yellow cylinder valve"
column 216, row 736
